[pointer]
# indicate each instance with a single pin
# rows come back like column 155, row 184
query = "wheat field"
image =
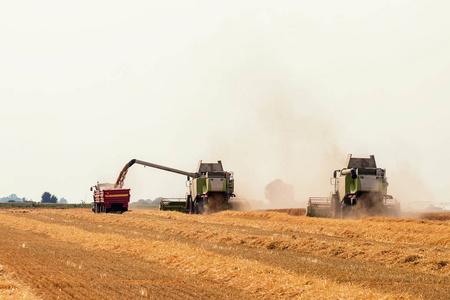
column 150, row 254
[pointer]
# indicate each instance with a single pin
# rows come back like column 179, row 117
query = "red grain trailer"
column 108, row 199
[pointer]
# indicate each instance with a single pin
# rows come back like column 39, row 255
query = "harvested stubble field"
column 73, row 253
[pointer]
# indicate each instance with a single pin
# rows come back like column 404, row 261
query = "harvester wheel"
column 198, row 206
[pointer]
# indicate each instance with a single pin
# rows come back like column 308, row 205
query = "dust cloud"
column 305, row 151
column 285, row 157
column 300, row 147
column 279, row 193
column 407, row 184
column 370, row 204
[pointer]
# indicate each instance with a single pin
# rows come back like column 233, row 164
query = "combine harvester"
column 359, row 189
column 210, row 188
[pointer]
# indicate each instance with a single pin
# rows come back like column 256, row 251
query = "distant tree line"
column 49, row 198
column 149, row 201
column 12, row 198
column 45, row 198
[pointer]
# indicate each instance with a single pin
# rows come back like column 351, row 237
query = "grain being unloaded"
column 120, row 180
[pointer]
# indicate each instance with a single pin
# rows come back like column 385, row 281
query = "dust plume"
column 279, row 193
column 371, row 204
column 298, row 143
column 409, row 186
column 285, row 146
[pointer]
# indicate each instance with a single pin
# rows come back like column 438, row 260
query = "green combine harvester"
column 360, row 189
column 210, row 188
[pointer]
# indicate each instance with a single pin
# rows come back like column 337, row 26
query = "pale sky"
column 274, row 89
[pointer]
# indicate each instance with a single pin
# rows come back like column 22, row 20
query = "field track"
column 149, row 254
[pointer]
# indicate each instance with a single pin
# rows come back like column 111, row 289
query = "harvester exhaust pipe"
column 350, row 172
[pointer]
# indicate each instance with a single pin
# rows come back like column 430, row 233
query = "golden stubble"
column 252, row 277
column 13, row 289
